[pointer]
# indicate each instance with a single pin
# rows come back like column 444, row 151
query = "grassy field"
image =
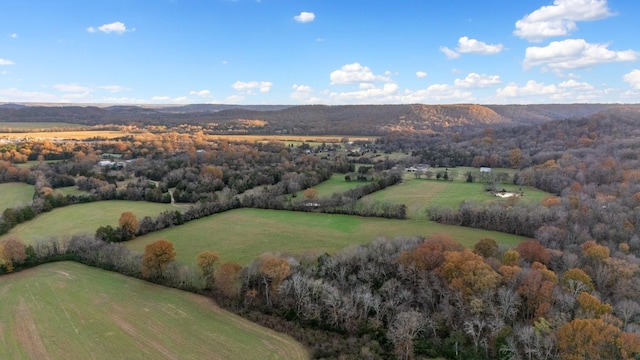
column 336, row 184
column 420, row 194
column 69, row 311
column 82, row 218
column 242, row 235
column 15, row 194
column 64, row 135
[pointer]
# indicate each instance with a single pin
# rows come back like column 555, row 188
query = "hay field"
column 64, row 222
column 241, row 235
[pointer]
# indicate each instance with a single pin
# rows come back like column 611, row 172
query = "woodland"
column 569, row 291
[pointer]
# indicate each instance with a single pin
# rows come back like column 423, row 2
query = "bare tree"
column 403, row 330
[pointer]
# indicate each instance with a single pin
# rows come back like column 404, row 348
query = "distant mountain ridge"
column 310, row 119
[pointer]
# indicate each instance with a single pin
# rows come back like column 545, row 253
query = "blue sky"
column 320, row 52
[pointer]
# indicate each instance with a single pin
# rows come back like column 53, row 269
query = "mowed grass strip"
column 420, row 194
column 242, row 235
column 64, row 222
column 15, row 194
column 67, row 310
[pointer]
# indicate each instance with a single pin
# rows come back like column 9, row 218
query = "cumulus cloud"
column 250, row 86
column 304, row 94
column 575, row 85
column 6, row 62
column 355, row 74
column 450, row 54
column 476, row 81
column 114, row 27
column 471, row 46
column 421, row 74
column 201, row 93
column 573, row 54
column 466, row 45
column 371, row 95
column 305, row 17
column 633, row 79
column 560, row 18
column 532, row 88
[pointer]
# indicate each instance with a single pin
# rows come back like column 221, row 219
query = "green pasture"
column 15, row 194
column 64, row 222
column 336, row 184
column 420, row 194
column 242, row 235
column 67, row 310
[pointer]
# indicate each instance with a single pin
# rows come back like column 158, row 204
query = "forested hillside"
column 308, row 119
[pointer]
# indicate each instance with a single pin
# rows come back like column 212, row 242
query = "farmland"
column 15, row 194
column 64, row 222
column 242, row 235
column 345, row 269
column 69, row 311
column 421, row 194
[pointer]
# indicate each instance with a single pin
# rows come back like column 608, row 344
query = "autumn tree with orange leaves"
column 157, row 257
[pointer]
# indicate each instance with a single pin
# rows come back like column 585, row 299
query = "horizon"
column 304, row 52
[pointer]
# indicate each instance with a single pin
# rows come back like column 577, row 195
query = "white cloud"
column 450, row 54
column 114, row 27
column 370, row 95
column 250, row 86
column 633, row 79
column 76, row 88
column 573, row 54
column 17, row 95
column 6, row 62
column 201, row 93
column 354, row 74
column 13, row 35
column 113, row 88
column 304, row 94
column 305, row 17
column 437, row 93
column 532, row 88
column 421, row 74
column 170, row 100
column 473, row 46
column 575, row 85
column 475, row 81
column 560, row 18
